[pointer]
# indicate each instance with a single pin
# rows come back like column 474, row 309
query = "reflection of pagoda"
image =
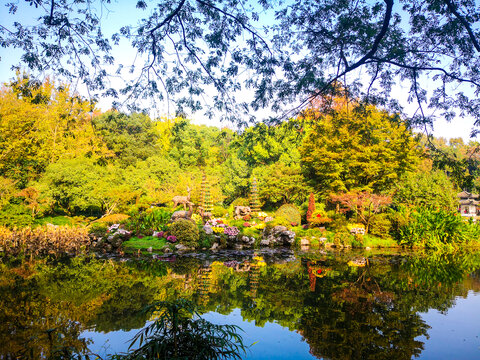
column 204, row 284
column 254, row 275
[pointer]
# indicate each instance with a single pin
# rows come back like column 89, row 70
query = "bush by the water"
column 291, row 213
column 186, row 232
column 148, row 221
column 45, row 240
column 380, row 226
column 438, row 229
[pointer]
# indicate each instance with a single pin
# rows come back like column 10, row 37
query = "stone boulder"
column 278, row 236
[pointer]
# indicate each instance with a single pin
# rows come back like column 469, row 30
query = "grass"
column 55, row 220
column 145, row 243
column 376, row 242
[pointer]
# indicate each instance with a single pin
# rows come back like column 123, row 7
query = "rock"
column 214, row 246
column 329, row 245
column 323, row 240
column 279, row 236
column 265, row 242
column 166, row 249
column 304, row 242
column 208, row 229
column 368, row 248
column 181, row 247
column 150, row 249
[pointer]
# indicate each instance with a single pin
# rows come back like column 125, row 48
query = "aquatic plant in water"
column 180, row 333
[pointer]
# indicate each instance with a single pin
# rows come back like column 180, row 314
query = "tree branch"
column 50, row 19
column 378, row 38
column 254, row 33
column 466, row 25
column 362, row 61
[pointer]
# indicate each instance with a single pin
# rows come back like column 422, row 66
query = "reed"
column 44, row 240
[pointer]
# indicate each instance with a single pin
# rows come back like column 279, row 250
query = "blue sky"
column 126, row 10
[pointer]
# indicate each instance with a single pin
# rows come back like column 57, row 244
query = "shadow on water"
column 344, row 305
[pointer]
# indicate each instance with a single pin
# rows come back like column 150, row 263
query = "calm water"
column 294, row 306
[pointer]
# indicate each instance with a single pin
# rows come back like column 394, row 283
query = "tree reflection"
column 344, row 309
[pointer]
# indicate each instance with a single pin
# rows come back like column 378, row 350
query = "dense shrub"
column 148, row 221
column 186, row 231
column 339, row 221
column 218, row 211
column 289, row 212
column 205, row 240
column 16, row 215
column 240, row 202
column 438, row 229
column 98, row 229
column 343, row 238
column 380, row 226
column 278, row 221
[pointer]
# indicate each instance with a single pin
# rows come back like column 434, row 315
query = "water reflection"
column 343, row 305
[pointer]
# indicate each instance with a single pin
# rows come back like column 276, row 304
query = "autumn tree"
column 364, row 205
column 359, row 148
column 40, row 124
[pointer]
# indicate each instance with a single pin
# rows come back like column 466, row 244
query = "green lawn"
column 145, row 243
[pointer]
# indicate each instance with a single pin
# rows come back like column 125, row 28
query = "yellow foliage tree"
column 40, row 124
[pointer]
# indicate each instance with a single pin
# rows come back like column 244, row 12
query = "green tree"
column 281, row 184
column 130, row 137
column 423, row 188
column 235, row 178
column 69, row 184
column 265, row 145
column 362, row 149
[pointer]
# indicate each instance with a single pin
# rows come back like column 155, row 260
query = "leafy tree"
column 426, row 188
column 265, row 145
column 40, row 124
column 281, row 184
column 362, row 149
column 198, row 145
column 7, row 191
column 69, row 185
column 364, row 205
column 130, row 137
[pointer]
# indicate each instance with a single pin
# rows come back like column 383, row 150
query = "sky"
column 460, row 127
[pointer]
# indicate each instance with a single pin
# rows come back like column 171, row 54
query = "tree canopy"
column 286, row 53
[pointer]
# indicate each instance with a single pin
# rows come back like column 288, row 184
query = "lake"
column 290, row 305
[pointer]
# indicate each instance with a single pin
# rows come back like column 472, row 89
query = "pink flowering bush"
column 172, row 238
column 231, row 231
